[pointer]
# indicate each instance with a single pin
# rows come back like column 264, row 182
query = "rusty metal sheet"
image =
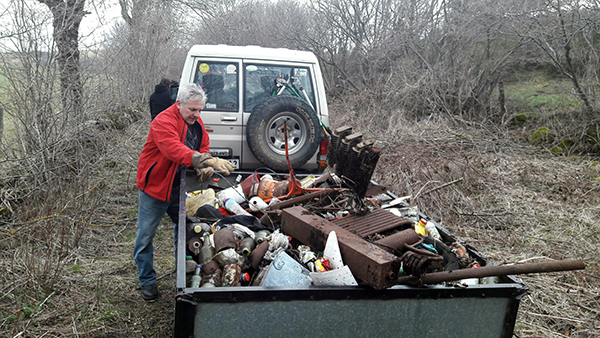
column 368, row 262
column 377, row 221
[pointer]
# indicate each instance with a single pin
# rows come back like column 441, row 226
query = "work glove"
column 199, row 160
column 203, row 160
column 204, row 173
column 224, row 166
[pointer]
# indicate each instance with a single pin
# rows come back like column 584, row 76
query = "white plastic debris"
column 340, row 274
column 278, row 240
column 338, row 277
column 397, row 201
column 332, row 251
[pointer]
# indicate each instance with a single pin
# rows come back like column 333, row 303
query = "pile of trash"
column 338, row 229
column 253, row 234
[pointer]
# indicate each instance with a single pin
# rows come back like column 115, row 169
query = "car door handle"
column 228, row 118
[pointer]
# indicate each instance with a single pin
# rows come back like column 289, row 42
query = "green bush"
column 562, row 147
column 541, row 136
column 519, row 120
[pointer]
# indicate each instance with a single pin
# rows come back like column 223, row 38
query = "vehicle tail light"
column 322, row 157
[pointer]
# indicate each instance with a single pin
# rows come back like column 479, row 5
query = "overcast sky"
column 93, row 26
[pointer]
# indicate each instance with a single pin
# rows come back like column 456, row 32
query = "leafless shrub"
column 140, row 51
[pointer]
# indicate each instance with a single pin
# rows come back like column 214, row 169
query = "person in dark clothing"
column 161, row 98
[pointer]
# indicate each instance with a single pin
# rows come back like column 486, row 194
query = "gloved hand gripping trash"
column 205, row 165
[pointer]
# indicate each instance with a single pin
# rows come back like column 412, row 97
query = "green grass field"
column 536, row 92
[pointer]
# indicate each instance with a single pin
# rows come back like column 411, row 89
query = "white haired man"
column 177, row 139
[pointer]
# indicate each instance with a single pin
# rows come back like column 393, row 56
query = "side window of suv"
column 263, row 81
column 220, row 83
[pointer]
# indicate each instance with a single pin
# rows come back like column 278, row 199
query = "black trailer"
column 478, row 311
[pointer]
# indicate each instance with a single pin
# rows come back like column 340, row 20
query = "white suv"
column 252, row 92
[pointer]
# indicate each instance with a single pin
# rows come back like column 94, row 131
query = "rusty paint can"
column 210, row 267
column 257, row 254
column 268, row 189
column 224, row 239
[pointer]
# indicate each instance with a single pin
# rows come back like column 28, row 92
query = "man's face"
column 190, row 111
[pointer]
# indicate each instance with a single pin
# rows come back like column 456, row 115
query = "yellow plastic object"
column 420, row 227
column 197, row 199
column 307, row 181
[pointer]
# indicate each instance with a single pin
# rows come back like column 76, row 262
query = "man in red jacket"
column 177, row 139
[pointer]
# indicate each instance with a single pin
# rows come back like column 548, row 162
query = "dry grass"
column 67, row 268
column 72, row 274
column 511, row 201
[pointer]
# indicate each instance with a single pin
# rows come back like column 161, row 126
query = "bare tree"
column 565, row 31
column 67, row 16
column 142, row 50
column 27, row 63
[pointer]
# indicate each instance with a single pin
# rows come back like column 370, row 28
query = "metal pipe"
column 304, row 198
column 487, row 271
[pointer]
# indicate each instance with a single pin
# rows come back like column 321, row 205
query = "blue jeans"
column 150, row 213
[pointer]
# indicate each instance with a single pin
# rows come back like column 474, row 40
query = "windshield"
column 263, row 81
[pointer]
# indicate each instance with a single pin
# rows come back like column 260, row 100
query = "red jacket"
column 164, row 151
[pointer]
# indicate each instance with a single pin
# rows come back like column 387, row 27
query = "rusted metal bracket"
column 336, row 138
column 353, row 158
column 368, row 262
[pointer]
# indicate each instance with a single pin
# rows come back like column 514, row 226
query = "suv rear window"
column 261, row 83
column 220, row 83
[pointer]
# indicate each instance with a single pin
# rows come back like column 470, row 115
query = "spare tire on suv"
column 265, row 134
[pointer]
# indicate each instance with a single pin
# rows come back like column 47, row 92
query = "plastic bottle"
column 190, row 264
column 207, row 251
column 198, row 199
column 420, row 227
column 194, row 228
column 432, row 231
column 194, row 245
column 196, row 278
column 234, row 207
column 245, row 279
column 235, row 193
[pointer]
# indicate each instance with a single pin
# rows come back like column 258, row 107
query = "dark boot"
column 150, row 292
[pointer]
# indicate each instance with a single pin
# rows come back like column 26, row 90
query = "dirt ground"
column 511, row 201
